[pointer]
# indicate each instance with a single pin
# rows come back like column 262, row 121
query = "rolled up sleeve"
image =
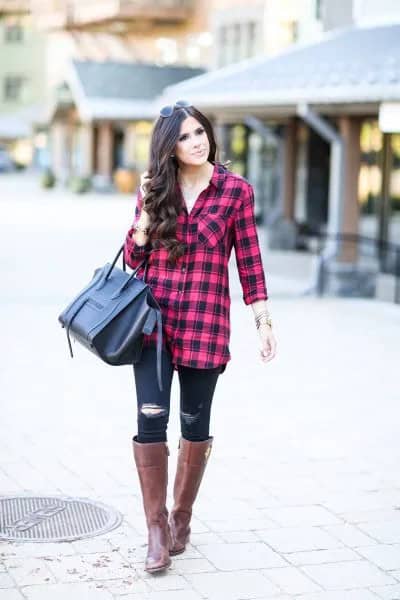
column 247, row 250
column 134, row 253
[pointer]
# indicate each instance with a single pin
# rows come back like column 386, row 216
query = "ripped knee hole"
column 189, row 418
column 153, row 410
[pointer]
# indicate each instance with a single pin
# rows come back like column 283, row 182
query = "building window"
column 293, row 27
column 13, row 87
column 370, row 176
column 13, row 32
column 236, row 42
column 222, row 42
column 318, row 9
column 252, row 39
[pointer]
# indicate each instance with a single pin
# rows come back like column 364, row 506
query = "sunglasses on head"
column 167, row 111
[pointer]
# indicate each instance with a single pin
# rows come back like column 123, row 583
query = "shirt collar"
column 218, row 176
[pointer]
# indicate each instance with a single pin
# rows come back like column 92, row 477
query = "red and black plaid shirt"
column 194, row 294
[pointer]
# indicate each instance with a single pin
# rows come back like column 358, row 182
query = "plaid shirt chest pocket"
column 212, row 225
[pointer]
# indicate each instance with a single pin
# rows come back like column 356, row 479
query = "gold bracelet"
column 263, row 313
column 265, row 321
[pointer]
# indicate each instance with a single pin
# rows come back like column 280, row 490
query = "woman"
column 190, row 212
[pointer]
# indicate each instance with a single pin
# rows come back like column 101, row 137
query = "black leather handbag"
column 112, row 313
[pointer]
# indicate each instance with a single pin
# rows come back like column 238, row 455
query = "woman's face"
column 192, row 147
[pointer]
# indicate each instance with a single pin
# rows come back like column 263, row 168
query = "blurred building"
column 106, row 65
column 160, row 31
column 22, row 78
column 260, row 27
column 316, row 128
column 102, row 115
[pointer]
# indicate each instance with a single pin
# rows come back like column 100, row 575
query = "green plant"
column 48, row 179
column 79, row 184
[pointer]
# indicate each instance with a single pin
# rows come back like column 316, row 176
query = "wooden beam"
column 350, row 131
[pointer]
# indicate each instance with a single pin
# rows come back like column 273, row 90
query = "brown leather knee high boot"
column 152, row 466
column 192, row 460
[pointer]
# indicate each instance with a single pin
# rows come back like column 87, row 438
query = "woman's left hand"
column 268, row 343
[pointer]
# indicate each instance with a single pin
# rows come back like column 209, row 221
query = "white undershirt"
column 190, row 206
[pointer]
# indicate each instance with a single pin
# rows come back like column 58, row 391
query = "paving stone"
column 350, row 535
column 240, row 585
column 92, row 545
column 172, row 595
column 220, row 509
column 387, row 592
column 387, row 557
column 30, row 479
column 8, row 485
column 98, row 566
column 69, row 569
column 291, row 580
column 14, row 595
column 274, row 596
column 371, row 516
column 102, row 566
column 229, row 557
column 387, row 532
column 316, row 557
column 66, row 591
column 241, row 524
column 294, row 516
column 199, row 539
column 232, row 537
column 297, row 539
column 372, row 500
column 192, row 565
column 361, row 594
column 165, row 581
column 190, row 552
column 29, row 571
column 348, row 575
column 6, row 581
column 131, row 584
column 40, row 550
column 198, row 526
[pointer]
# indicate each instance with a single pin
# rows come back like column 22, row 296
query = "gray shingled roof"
column 352, row 65
column 121, row 90
column 128, row 80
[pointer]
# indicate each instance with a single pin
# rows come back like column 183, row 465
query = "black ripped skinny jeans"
column 196, row 393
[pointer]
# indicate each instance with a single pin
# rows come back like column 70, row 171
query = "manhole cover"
column 54, row 518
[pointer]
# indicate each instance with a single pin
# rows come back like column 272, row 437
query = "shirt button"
column 183, row 269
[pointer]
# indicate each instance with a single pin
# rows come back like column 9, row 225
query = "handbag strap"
column 159, row 348
column 145, row 262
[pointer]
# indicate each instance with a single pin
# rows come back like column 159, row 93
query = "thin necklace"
column 190, row 198
column 183, row 183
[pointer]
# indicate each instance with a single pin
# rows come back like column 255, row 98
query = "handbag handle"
column 107, row 275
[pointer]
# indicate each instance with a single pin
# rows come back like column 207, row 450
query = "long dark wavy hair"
column 161, row 201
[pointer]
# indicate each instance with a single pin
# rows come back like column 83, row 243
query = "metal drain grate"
column 54, row 518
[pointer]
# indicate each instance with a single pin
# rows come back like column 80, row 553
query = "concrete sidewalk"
column 301, row 497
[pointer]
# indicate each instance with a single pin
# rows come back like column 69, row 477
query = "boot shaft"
column 192, row 461
column 152, row 466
